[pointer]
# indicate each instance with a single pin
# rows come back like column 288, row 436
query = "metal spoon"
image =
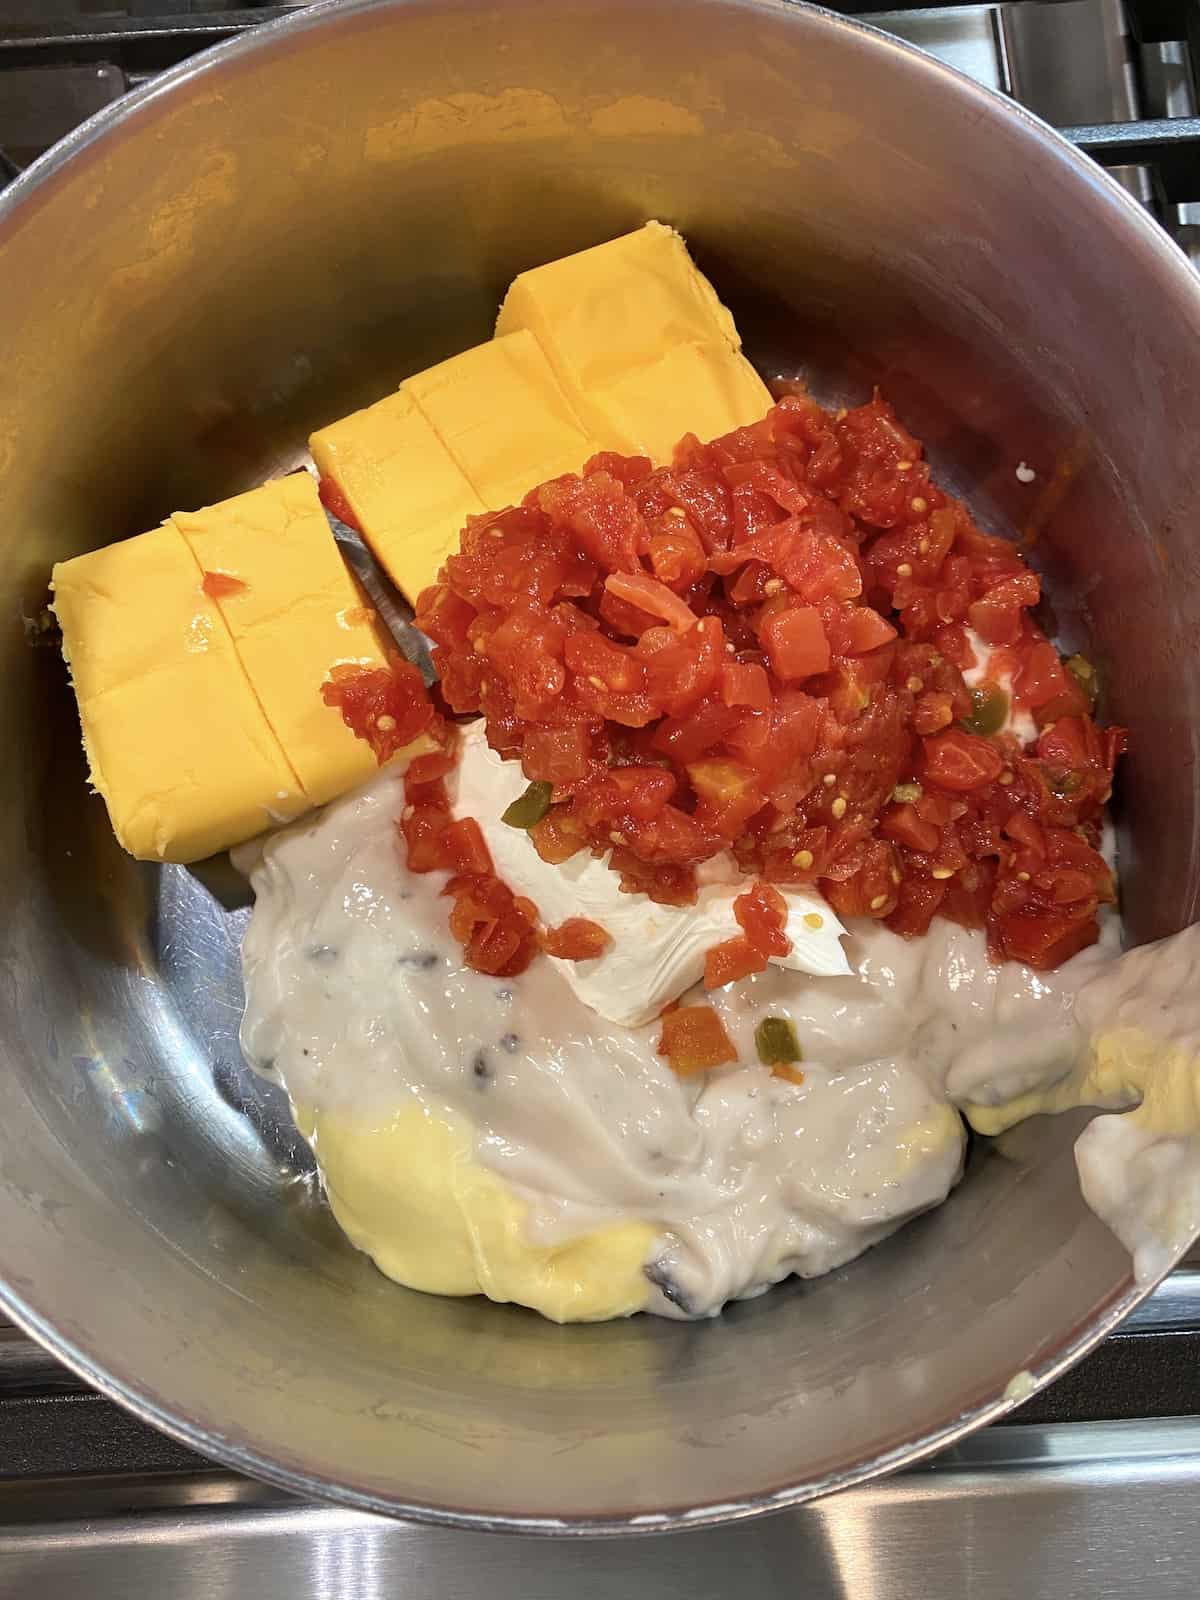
column 391, row 606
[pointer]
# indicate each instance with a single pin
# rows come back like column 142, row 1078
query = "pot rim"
column 244, row 1458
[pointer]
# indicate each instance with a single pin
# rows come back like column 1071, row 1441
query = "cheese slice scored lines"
column 202, row 712
column 177, row 743
column 408, row 494
column 623, row 347
column 641, row 344
column 297, row 615
column 499, row 411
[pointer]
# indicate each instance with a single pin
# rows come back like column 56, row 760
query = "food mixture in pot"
column 674, row 972
column 749, row 847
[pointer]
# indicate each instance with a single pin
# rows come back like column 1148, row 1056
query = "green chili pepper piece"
column 777, row 1043
column 529, row 807
column 1086, row 676
column 1064, row 782
column 989, row 711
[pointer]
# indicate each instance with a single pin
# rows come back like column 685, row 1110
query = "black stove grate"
column 60, row 61
column 84, row 60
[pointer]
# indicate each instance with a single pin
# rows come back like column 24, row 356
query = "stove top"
column 1116, row 76
column 1089, row 1490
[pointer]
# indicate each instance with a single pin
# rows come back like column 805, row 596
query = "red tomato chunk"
column 219, row 585
column 758, row 651
column 694, row 1040
column 576, row 939
column 336, row 504
column 387, row 706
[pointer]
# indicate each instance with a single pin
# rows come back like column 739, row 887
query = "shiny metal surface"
column 393, row 610
column 1174, row 1304
column 967, row 38
column 280, row 233
column 1071, row 62
column 40, row 104
column 1095, row 1511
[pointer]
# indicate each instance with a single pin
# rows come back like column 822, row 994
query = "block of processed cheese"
column 407, row 492
column 296, row 616
column 175, row 737
column 690, row 388
column 642, row 346
column 500, row 412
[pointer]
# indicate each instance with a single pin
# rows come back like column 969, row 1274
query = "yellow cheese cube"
column 642, row 346
column 499, row 411
column 690, row 388
column 617, row 305
column 298, row 616
column 408, row 494
column 177, row 742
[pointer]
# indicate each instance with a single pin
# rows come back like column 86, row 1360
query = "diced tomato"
column 768, row 480
column 959, row 761
column 694, row 1040
column 675, row 837
column 996, row 615
column 464, row 849
column 729, row 793
column 556, row 838
column 576, row 939
column 592, row 656
column 1040, row 677
column 917, row 902
column 558, row 755
column 668, row 882
column 932, row 712
column 686, row 738
column 749, row 587
column 220, row 585
column 869, row 890
column 866, row 630
column 444, row 616
column 795, row 729
column 1029, row 834
column 745, row 684
column 336, row 504
column 905, row 825
column 496, row 933
column 796, row 643
column 762, row 915
column 438, row 763
column 601, row 518
column 629, row 470
column 682, row 671
column 1042, row 941
column 422, row 827
column 788, row 1073
column 623, row 793
column 636, row 637
column 733, row 959
column 636, row 589
column 676, row 553
column 386, row 706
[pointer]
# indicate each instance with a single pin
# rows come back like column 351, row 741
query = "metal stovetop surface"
column 1083, row 1512
column 1099, row 1507
column 1091, row 1491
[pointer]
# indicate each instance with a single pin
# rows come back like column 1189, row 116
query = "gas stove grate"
column 1119, row 79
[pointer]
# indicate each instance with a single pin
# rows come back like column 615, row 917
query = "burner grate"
column 1118, row 79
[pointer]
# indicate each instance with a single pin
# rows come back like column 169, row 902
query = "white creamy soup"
column 497, row 1135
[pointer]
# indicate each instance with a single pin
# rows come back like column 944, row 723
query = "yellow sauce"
column 409, row 1193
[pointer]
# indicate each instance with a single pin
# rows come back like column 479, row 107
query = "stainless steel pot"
column 280, row 231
